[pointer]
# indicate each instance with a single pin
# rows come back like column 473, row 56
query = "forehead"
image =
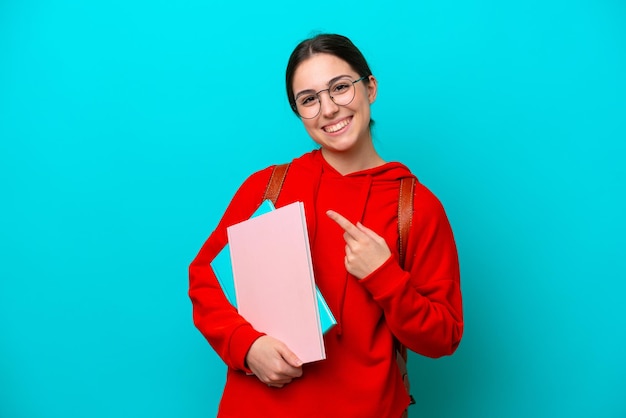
column 317, row 70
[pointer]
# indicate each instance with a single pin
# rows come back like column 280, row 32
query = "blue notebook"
column 223, row 270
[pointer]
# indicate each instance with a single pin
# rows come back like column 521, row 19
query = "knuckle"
column 273, row 377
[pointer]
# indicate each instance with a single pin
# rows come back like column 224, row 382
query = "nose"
column 329, row 107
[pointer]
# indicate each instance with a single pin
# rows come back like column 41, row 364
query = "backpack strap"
column 405, row 215
column 275, row 184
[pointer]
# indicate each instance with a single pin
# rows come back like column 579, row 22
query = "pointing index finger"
column 345, row 224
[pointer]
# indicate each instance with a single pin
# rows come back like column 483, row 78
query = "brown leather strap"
column 276, row 182
column 405, row 214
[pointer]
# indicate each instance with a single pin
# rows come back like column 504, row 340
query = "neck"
column 353, row 160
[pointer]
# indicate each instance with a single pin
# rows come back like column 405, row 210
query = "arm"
column 422, row 305
column 229, row 334
column 239, row 345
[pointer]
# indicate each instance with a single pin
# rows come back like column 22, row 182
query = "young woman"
column 350, row 195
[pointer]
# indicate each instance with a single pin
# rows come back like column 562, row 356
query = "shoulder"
column 427, row 208
column 257, row 182
column 424, row 197
column 307, row 161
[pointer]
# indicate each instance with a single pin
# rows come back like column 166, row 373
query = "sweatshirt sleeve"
column 423, row 305
column 227, row 332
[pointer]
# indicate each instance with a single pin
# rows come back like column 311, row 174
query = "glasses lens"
column 308, row 106
column 342, row 92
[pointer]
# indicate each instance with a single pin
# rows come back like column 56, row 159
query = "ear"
column 372, row 89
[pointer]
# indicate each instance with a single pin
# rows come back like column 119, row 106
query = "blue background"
column 125, row 128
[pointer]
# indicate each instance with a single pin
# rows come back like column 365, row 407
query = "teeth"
column 337, row 126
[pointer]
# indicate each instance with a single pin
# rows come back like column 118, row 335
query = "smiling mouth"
column 337, row 126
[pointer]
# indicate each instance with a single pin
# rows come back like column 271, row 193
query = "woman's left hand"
column 365, row 249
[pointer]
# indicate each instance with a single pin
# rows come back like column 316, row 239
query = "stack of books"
column 265, row 271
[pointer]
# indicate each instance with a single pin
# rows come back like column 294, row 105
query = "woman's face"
column 337, row 129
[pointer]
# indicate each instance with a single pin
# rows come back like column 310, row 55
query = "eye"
column 308, row 100
column 341, row 87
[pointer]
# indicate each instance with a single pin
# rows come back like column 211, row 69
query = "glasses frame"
column 319, row 101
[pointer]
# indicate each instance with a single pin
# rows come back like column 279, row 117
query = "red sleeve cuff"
column 379, row 282
column 240, row 343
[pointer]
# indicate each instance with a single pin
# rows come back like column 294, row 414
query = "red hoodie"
column 421, row 306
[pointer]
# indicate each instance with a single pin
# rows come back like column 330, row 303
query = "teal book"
column 222, row 268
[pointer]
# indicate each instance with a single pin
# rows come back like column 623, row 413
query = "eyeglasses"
column 341, row 92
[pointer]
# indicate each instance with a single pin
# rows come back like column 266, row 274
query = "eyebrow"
column 331, row 81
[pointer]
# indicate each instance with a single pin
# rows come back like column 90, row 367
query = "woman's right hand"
column 273, row 362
